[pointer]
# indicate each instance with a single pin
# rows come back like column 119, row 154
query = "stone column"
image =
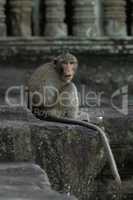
column 115, row 17
column 2, row 18
column 54, row 18
column 20, row 17
column 84, row 18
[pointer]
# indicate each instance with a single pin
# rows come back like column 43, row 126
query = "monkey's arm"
column 69, row 102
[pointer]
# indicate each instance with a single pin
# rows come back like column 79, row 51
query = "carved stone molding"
column 84, row 18
column 114, row 17
column 20, row 17
column 54, row 18
column 2, row 18
column 42, row 46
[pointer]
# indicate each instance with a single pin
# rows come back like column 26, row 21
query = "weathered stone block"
column 26, row 181
column 71, row 155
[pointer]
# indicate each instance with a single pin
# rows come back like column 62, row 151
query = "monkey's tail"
column 104, row 139
column 110, row 155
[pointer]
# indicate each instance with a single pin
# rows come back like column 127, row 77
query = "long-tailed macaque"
column 53, row 97
column 51, row 91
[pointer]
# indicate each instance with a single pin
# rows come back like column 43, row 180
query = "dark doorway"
column 129, row 16
column 69, row 13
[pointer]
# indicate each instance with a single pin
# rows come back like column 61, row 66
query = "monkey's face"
column 68, row 71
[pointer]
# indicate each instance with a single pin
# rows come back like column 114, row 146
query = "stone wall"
column 105, row 65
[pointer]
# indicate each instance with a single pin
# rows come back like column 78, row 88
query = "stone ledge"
column 68, row 153
column 71, row 155
column 26, row 181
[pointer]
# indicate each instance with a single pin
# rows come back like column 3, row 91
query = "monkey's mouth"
column 68, row 76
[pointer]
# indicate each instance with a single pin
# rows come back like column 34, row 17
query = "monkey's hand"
column 83, row 116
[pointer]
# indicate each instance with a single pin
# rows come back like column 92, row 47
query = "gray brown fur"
column 47, row 76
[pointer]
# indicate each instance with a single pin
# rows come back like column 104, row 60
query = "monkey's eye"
column 72, row 62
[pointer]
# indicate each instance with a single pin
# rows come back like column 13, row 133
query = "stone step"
column 26, row 181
